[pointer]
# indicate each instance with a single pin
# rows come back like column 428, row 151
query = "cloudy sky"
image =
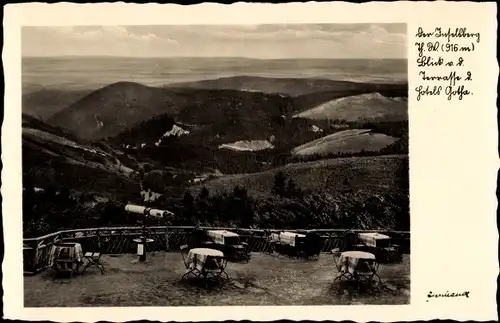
column 254, row 41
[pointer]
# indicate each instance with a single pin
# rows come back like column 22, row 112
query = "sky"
column 253, row 41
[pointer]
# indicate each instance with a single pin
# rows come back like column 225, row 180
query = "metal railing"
column 119, row 240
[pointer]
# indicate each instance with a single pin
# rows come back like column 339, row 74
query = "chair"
column 215, row 268
column 246, row 252
column 198, row 238
column 348, row 241
column 94, row 258
column 392, row 253
column 313, row 245
column 344, row 275
column 336, row 255
column 190, row 269
column 366, row 272
column 63, row 261
column 184, row 253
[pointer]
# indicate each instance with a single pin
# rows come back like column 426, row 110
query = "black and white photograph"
column 215, row 165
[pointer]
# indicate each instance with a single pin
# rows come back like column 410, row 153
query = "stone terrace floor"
column 265, row 280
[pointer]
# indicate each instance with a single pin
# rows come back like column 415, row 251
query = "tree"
column 279, row 184
column 188, row 210
column 292, row 189
column 240, row 193
column 188, row 199
column 203, row 206
column 346, row 185
column 204, row 194
column 240, row 206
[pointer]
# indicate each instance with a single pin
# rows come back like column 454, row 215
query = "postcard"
column 302, row 161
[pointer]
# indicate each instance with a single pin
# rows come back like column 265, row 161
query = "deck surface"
column 265, row 280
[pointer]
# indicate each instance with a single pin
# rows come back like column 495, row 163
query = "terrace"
column 268, row 279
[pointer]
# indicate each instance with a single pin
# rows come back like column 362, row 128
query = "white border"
column 453, row 161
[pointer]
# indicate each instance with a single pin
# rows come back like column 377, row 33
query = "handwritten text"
column 441, row 60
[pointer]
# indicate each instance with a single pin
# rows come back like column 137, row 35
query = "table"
column 374, row 239
column 66, row 256
column 229, row 243
column 223, row 236
column 358, row 266
column 351, row 261
column 288, row 238
column 203, row 262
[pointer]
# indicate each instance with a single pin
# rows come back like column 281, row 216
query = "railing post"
column 35, row 258
column 167, row 243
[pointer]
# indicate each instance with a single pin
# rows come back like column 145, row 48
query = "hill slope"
column 227, row 105
column 366, row 175
column 371, row 106
column 51, row 159
column 44, row 103
column 114, row 108
column 347, row 141
column 121, row 106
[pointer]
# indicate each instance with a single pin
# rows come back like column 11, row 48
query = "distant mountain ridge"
column 80, row 72
column 285, row 86
column 118, row 107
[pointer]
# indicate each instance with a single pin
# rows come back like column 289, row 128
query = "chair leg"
column 376, row 280
column 101, row 267
column 95, row 263
column 87, row 265
column 337, row 282
column 190, row 272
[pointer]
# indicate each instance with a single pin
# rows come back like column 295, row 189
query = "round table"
column 200, row 258
column 359, row 266
column 207, row 252
column 351, row 260
column 358, row 255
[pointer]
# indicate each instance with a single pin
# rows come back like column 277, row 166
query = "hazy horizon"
column 94, row 72
column 272, row 41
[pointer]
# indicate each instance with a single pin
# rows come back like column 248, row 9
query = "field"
column 347, row 141
column 265, row 280
column 366, row 175
column 354, row 107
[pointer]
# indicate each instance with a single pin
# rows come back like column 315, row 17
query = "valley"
column 166, row 163
column 229, row 137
